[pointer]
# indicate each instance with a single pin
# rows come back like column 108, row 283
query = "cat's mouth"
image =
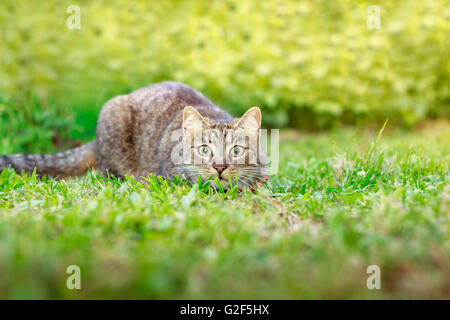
column 225, row 181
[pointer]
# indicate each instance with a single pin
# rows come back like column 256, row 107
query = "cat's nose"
column 220, row 168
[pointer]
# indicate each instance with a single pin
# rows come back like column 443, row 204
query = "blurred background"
column 311, row 65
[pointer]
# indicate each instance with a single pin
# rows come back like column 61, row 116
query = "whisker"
column 243, row 181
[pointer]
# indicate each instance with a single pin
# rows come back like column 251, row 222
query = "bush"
column 308, row 64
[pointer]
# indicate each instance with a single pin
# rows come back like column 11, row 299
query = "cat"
column 168, row 129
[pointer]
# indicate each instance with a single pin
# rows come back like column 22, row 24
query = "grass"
column 341, row 201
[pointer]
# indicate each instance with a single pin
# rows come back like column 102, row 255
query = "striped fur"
column 135, row 136
column 73, row 162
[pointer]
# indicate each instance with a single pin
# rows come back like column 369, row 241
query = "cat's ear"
column 192, row 118
column 251, row 119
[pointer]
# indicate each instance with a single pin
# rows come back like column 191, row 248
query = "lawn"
column 341, row 201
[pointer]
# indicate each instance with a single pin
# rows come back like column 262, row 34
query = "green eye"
column 204, row 151
column 237, row 151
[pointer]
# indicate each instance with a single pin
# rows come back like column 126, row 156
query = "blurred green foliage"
column 29, row 126
column 339, row 204
column 309, row 64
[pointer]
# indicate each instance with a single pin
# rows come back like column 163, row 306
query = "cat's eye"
column 237, row 151
column 204, row 151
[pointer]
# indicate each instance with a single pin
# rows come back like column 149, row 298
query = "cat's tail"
column 70, row 163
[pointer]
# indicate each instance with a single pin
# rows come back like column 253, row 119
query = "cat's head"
column 224, row 150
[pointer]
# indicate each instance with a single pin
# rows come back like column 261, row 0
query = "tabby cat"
column 166, row 129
